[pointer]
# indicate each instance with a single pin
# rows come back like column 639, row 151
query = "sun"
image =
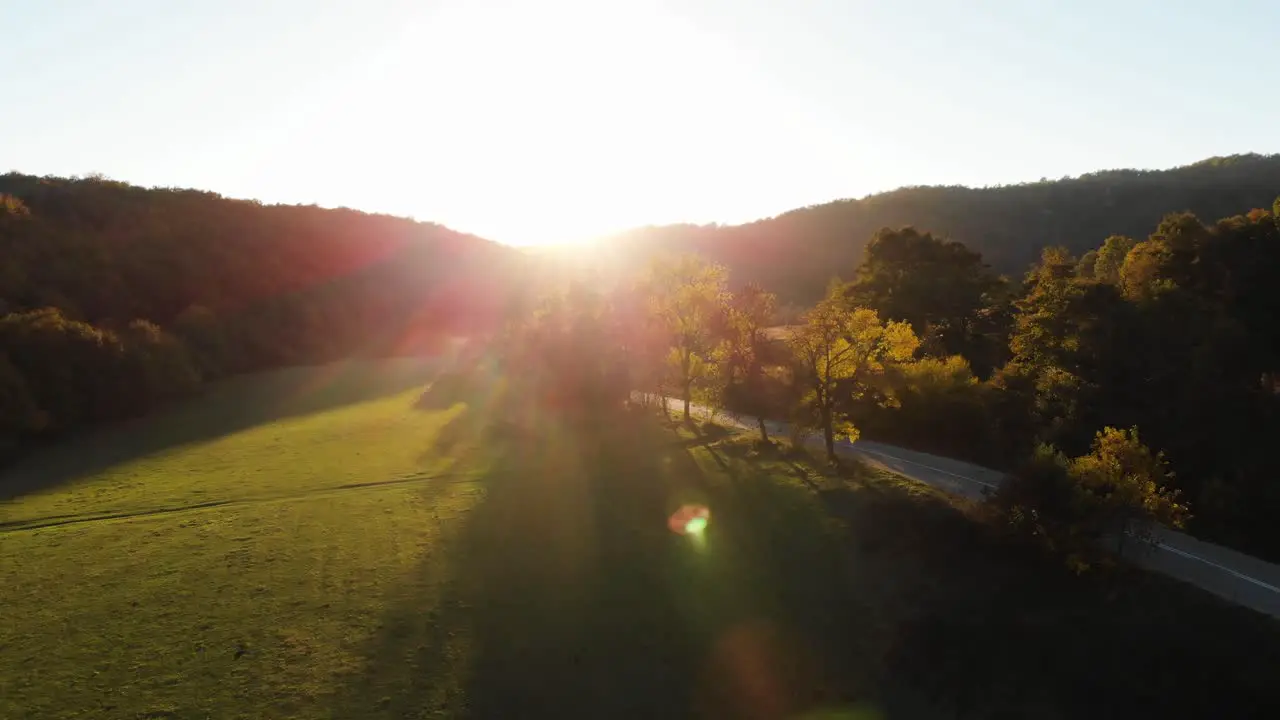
column 553, row 124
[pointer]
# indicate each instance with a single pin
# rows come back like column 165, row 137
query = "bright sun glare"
column 555, row 123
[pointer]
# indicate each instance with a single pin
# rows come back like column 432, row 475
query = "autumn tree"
column 937, row 405
column 745, row 353
column 1109, row 258
column 643, row 341
column 687, row 295
column 71, row 368
column 1073, row 507
column 1126, row 486
column 1068, row 341
column 838, row 350
column 567, row 353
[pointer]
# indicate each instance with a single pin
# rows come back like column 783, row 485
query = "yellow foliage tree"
column 688, row 295
column 839, row 350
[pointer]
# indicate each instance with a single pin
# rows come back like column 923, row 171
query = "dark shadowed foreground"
column 457, row 553
column 856, row 594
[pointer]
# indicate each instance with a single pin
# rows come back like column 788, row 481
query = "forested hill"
column 115, row 298
column 796, row 253
column 107, row 252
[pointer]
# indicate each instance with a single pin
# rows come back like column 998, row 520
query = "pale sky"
column 557, row 120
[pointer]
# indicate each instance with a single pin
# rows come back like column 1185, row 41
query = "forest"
column 1123, row 375
column 796, row 253
column 115, row 298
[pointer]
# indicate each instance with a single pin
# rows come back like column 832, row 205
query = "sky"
column 555, row 121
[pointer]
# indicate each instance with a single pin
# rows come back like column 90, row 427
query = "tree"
column 1164, row 260
column 1126, row 486
column 1109, row 258
column 938, row 286
column 19, row 413
column 744, row 354
column 12, row 208
column 1069, row 340
column 687, row 296
column 71, row 369
column 200, row 331
column 1119, row 488
column 157, row 366
column 936, row 405
column 794, row 253
column 567, row 354
column 838, row 350
column 1087, row 266
column 643, row 342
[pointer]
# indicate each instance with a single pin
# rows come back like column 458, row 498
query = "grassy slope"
column 526, row 570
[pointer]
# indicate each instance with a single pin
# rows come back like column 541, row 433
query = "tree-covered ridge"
column 115, row 297
column 796, row 253
column 104, row 250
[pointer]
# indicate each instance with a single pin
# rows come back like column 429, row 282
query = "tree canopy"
column 940, row 287
column 114, row 298
column 795, row 254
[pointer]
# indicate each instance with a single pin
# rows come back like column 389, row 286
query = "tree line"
column 1136, row 381
column 115, row 299
column 794, row 254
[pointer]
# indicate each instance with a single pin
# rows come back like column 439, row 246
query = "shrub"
column 1075, row 508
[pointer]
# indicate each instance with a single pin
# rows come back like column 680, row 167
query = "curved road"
column 1240, row 578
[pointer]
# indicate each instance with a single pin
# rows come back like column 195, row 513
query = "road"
column 1235, row 576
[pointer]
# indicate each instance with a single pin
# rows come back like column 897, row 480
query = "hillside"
column 105, row 251
column 796, row 253
column 115, row 299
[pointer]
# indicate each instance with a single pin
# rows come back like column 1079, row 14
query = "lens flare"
column 691, row 520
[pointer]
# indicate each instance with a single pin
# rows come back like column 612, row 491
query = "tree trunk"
column 764, row 431
column 828, row 434
column 686, row 382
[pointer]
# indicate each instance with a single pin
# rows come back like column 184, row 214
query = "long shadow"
column 564, row 594
column 576, row 599
column 577, row 581
column 225, row 408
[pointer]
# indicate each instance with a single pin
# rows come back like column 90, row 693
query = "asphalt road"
column 1240, row 578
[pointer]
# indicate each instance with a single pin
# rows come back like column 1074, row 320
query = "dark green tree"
column 940, row 287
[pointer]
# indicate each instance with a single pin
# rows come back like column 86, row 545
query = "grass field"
column 325, row 543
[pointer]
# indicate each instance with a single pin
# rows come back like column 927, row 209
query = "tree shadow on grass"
column 225, row 408
column 559, row 600
column 475, row 385
column 564, row 594
column 569, row 596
